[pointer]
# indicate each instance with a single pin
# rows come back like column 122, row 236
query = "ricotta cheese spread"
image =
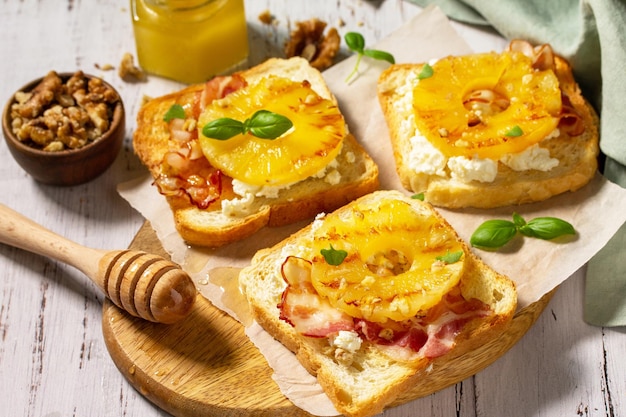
column 534, row 157
column 472, row 169
column 243, row 205
column 425, row 158
column 347, row 340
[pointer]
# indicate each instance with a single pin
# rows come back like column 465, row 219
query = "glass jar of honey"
column 190, row 40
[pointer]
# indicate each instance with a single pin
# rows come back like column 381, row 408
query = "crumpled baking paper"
column 536, row 266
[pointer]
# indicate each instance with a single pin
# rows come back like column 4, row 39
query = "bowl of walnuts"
column 64, row 128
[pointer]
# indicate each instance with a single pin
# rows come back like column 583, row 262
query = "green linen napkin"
column 589, row 33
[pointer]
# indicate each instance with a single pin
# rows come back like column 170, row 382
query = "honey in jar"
column 190, row 40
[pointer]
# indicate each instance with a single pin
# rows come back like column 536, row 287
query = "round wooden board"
column 206, row 365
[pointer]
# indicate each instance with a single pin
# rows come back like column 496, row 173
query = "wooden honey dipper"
column 143, row 284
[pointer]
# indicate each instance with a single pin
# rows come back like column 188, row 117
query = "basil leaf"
column 222, row 129
column 355, row 41
column 547, row 228
column 450, row 258
column 267, row 125
column 175, row 112
column 514, row 131
column 493, row 234
column 334, row 256
column 263, row 124
column 379, row 55
column 419, row 196
column 426, row 72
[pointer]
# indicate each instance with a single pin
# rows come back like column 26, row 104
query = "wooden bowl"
column 67, row 167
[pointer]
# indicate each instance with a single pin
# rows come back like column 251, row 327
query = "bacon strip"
column 543, row 57
column 178, row 132
column 430, row 336
column 184, row 169
column 216, row 88
column 194, row 178
column 301, row 306
column 570, row 122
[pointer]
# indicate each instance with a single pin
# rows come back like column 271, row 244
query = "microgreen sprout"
column 356, row 43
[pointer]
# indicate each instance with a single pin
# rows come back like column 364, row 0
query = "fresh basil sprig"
column 334, row 256
column 496, row 233
column 356, row 43
column 263, row 124
column 175, row 112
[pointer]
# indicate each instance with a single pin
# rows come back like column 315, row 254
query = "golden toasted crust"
column 211, row 227
column 375, row 379
column 577, row 155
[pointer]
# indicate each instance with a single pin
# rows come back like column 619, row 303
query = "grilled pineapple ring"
column 313, row 142
column 391, row 270
column 486, row 105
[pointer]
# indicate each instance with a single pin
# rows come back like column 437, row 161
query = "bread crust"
column 376, row 380
column 212, row 228
column 577, row 155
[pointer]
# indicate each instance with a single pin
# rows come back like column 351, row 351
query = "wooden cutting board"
column 206, row 365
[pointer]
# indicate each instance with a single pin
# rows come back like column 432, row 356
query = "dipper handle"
column 143, row 284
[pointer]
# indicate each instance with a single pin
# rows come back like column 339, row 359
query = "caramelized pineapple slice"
column 486, row 105
column 310, row 145
column 391, row 270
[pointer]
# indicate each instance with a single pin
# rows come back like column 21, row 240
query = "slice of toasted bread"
column 373, row 379
column 577, row 154
column 211, row 227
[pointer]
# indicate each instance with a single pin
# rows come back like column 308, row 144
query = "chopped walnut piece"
column 37, row 133
column 105, row 67
column 308, row 41
column 266, row 17
column 76, row 82
column 42, row 95
column 128, row 71
column 54, row 146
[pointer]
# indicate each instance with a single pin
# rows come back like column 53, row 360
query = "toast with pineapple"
column 490, row 129
column 222, row 190
column 375, row 296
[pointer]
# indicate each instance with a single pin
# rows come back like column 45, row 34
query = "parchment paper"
column 536, row 266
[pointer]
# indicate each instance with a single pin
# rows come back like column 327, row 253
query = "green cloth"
column 590, row 34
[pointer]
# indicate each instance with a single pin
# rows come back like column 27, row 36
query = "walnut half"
column 308, row 41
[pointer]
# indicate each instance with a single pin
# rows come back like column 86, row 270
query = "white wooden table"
column 53, row 360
